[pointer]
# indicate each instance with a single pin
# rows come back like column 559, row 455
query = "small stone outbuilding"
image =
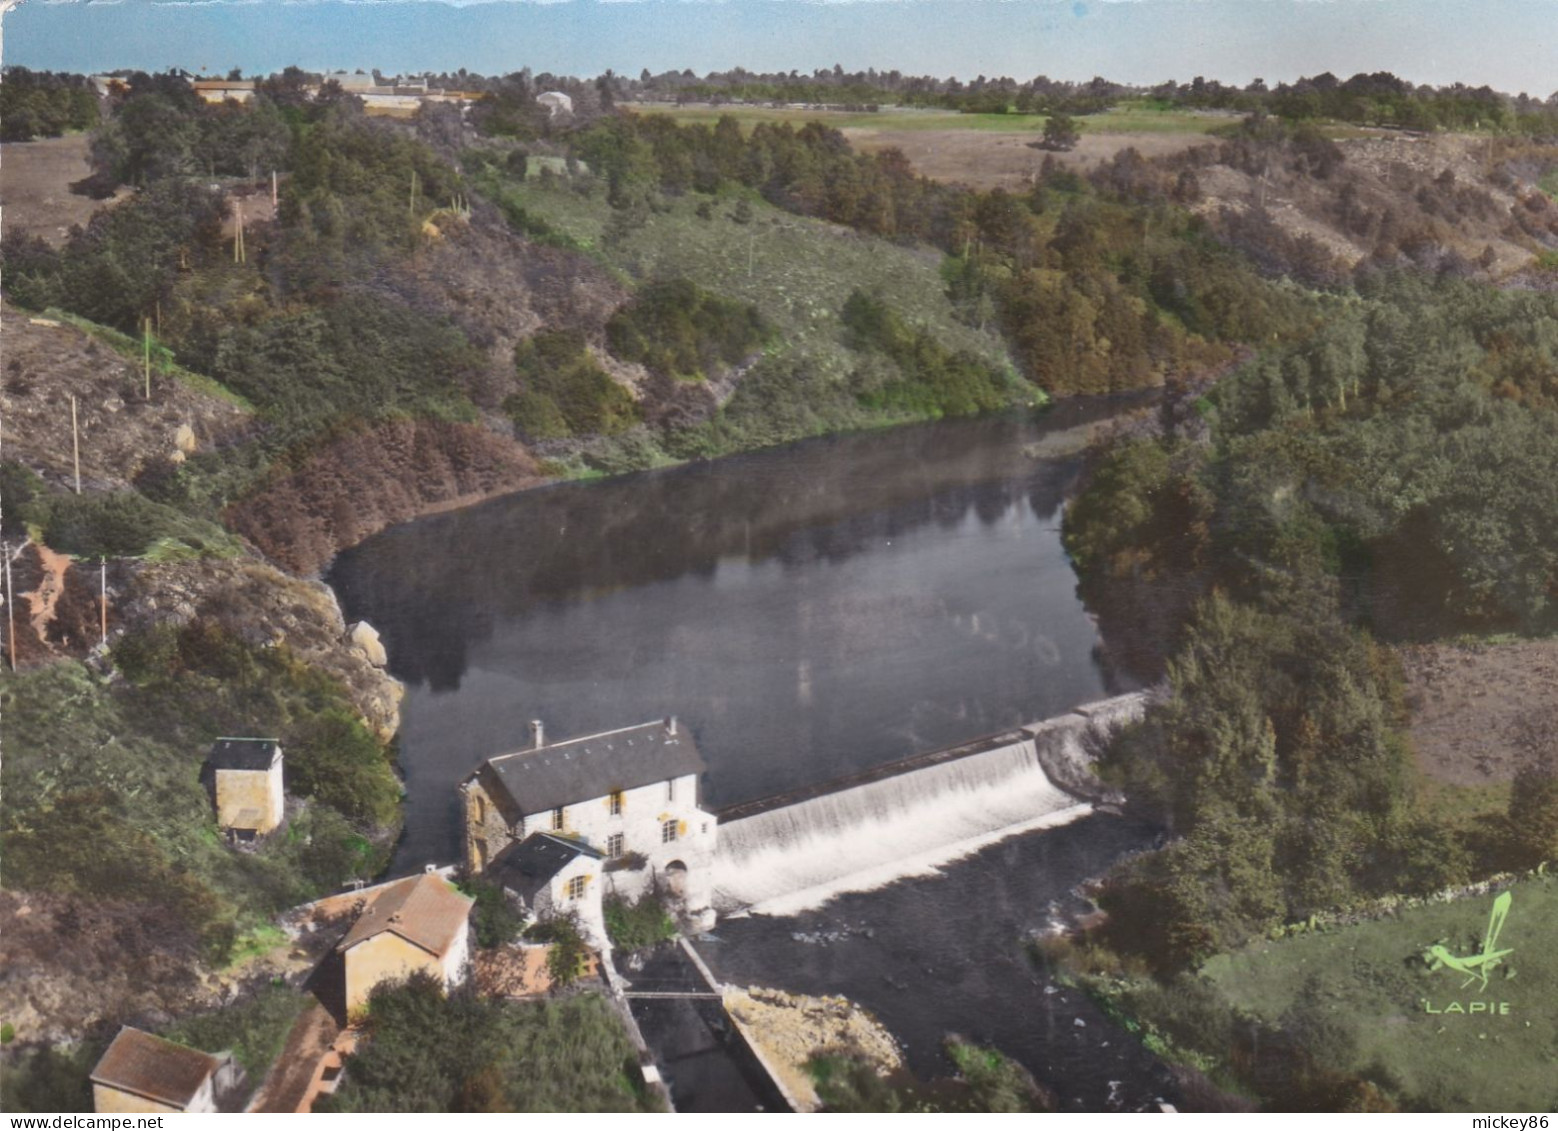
column 416, row 925
column 140, row 1073
column 244, row 778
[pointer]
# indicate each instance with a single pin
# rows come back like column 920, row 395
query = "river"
column 807, row 612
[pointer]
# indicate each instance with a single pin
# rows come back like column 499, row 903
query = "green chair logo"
column 1478, row 966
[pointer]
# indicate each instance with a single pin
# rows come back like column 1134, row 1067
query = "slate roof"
column 527, row 867
column 567, row 773
column 424, row 910
column 154, row 1068
column 243, row 753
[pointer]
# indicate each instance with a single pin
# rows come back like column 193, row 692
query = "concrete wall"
column 457, row 959
column 384, row 957
column 257, row 790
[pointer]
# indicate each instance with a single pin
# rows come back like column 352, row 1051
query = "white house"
column 629, row 795
column 556, row 103
column 552, row 875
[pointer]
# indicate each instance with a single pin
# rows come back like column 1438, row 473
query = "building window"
column 576, row 887
column 615, row 843
column 670, row 790
column 616, row 803
column 668, row 831
column 559, row 819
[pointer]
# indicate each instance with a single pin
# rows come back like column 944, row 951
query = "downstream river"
column 807, row 611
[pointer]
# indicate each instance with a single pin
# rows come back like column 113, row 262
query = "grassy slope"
column 1369, row 979
column 797, row 271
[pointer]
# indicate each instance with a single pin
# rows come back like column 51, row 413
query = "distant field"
column 982, row 150
column 1364, row 987
column 35, row 180
column 1125, row 119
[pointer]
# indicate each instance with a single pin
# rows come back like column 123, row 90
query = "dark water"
column 808, row 611
column 949, row 954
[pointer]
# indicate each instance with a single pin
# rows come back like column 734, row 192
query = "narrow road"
column 287, row 1085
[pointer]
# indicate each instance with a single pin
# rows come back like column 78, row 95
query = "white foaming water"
column 800, row 856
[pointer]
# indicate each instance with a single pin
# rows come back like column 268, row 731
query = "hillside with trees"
column 1356, row 442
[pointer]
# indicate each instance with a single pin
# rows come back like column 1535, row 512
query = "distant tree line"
column 44, row 104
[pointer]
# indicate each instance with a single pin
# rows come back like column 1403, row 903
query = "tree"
column 1060, row 132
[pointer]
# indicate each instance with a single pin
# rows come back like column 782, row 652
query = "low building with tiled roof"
column 417, row 925
column 141, row 1073
column 630, row 795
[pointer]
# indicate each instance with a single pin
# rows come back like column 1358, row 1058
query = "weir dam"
column 789, row 853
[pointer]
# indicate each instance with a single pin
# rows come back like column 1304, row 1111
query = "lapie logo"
column 1474, row 969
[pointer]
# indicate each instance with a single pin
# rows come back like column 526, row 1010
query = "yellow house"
column 245, row 780
column 141, row 1073
column 420, row 924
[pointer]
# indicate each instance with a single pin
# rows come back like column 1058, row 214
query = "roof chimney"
column 538, row 732
column 670, row 726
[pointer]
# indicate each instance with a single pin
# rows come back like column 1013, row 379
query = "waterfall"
column 788, row 858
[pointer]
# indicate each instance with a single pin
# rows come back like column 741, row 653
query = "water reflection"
column 808, row 611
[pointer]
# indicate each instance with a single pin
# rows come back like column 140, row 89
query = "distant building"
column 552, row 875
column 556, row 102
column 218, row 91
column 420, row 924
column 141, row 1073
column 630, row 795
column 244, row 777
column 353, row 82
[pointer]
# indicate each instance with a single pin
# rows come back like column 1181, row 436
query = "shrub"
column 564, row 392
column 640, row 925
column 678, row 329
column 566, row 961
column 124, row 524
column 498, row 922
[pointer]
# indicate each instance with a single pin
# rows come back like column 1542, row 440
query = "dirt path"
column 43, row 600
column 290, row 1083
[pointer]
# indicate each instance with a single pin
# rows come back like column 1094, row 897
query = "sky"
column 1511, row 45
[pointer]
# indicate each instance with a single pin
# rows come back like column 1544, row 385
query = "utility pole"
column 75, row 442
column 10, row 607
column 274, row 195
column 238, row 250
column 147, row 340
column 103, row 597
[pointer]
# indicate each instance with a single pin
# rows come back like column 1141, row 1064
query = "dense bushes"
column 202, row 678
column 122, row 524
column 430, row 1053
column 677, row 329
column 638, row 925
column 564, row 392
column 1390, row 472
column 923, row 377
column 496, row 920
